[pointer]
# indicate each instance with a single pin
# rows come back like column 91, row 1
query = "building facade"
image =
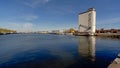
column 87, row 22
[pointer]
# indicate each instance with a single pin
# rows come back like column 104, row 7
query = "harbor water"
column 57, row 51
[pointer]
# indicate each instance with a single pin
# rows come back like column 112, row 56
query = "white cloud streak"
column 23, row 27
column 29, row 17
column 34, row 3
column 28, row 25
column 111, row 23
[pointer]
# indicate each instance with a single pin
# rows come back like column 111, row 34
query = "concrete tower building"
column 87, row 22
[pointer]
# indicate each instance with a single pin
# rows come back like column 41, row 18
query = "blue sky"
column 35, row 15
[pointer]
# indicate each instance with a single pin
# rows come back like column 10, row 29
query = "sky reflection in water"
column 56, row 51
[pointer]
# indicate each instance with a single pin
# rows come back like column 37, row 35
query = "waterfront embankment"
column 114, row 35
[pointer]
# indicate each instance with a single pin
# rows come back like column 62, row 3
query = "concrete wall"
column 87, row 21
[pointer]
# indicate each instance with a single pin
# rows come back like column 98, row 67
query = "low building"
column 108, row 31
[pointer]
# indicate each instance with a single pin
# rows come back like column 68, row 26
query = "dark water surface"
column 56, row 51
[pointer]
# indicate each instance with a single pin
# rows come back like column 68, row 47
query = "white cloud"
column 28, row 25
column 23, row 27
column 34, row 3
column 29, row 17
column 109, row 23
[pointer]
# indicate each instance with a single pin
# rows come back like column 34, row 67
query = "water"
column 56, row 51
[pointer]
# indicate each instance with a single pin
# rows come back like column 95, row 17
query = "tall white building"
column 87, row 22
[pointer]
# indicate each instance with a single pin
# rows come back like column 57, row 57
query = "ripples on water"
column 56, row 51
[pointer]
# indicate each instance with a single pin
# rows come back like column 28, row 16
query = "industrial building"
column 87, row 22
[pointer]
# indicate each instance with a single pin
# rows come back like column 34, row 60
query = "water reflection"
column 56, row 51
column 86, row 47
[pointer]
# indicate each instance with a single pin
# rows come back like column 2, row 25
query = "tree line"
column 3, row 30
